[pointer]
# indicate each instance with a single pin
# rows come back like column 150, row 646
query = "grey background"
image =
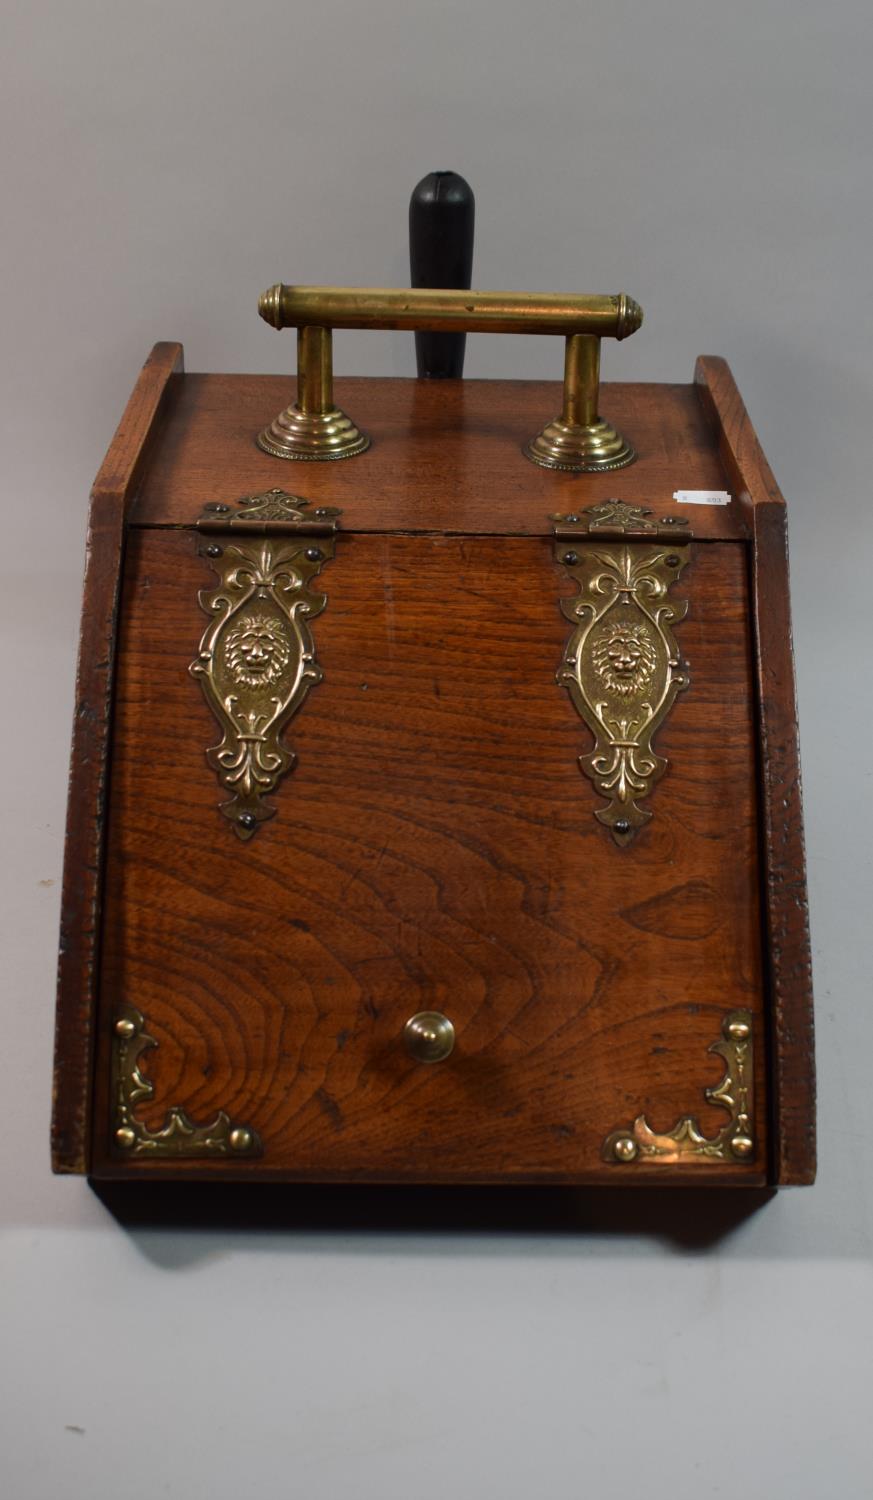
column 162, row 164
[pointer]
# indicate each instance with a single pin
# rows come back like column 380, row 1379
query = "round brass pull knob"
column 429, row 1036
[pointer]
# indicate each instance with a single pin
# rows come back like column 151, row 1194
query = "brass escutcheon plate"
column 621, row 665
column 256, row 662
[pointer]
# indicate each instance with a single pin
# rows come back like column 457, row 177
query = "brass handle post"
column 315, row 369
column 313, row 428
column 581, row 379
column 578, row 439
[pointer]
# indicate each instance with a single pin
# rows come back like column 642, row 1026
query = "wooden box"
column 628, row 981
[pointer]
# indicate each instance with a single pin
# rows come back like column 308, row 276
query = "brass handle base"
column 429, row 1036
column 317, row 435
column 313, row 428
column 578, row 439
column 580, row 450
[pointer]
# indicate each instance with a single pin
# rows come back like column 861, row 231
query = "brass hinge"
column 275, row 511
column 615, row 518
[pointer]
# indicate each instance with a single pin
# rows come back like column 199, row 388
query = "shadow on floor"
column 688, row 1218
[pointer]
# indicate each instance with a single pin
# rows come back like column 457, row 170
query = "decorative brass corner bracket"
column 621, row 665
column 179, row 1136
column 256, row 661
column 685, row 1143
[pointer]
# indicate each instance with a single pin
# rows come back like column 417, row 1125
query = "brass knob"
column 429, row 1036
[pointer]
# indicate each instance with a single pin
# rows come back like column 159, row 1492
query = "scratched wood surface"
column 446, row 455
column 434, row 848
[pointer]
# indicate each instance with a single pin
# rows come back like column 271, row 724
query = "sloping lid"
column 446, row 456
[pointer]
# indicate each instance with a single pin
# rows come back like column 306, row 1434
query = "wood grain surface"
column 434, row 848
column 436, row 845
column 446, row 456
column 786, row 905
column 81, row 893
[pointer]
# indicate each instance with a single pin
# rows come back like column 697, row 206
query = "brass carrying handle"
column 314, row 428
column 441, row 311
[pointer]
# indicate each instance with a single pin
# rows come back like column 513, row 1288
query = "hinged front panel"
column 433, row 962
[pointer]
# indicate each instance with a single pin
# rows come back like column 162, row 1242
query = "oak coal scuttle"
column 435, row 809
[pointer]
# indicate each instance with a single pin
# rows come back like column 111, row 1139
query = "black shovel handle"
column 441, row 220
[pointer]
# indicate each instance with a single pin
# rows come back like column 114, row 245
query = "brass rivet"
column 622, row 826
column 429, row 1036
column 247, row 820
column 625, row 1148
column 672, row 561
column 213, row 551
column 570, row 558
column 240, row 1139
column 217, row 508
column 125, row 1137
column 742, row 1145
column 124, row 1028
column 314, row 554
column 738, row 1031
